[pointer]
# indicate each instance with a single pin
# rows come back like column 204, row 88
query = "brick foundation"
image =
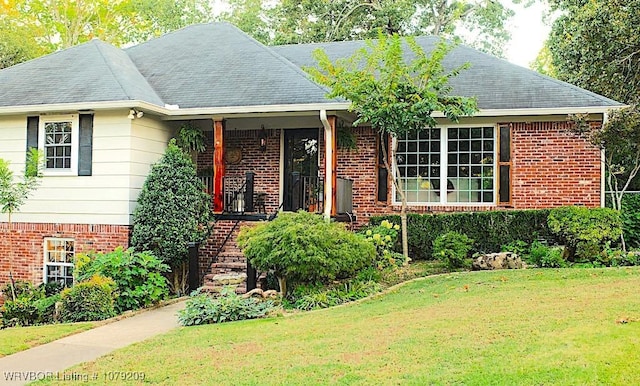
column 22, row 247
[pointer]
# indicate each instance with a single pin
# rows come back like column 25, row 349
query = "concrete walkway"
column 52, row 358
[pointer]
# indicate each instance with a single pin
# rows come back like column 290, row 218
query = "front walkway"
column 52, row 358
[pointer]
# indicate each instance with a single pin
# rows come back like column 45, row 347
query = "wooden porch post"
column 218, row 166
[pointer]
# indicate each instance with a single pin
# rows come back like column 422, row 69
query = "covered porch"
column 255, row 167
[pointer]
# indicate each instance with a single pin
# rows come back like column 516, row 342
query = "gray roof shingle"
column 496, row 83
column 91, row 72
column 217, row 65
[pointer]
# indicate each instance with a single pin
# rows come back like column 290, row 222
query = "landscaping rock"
column 256, row 293
column 502, row 260
column 270, row 294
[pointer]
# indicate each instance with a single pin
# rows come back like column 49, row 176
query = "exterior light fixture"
column 133, row 113
column 262, row 139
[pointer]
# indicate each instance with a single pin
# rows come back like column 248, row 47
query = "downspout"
column 603, row 184
column 328, row 188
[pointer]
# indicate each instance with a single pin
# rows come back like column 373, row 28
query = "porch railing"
column 307, row 193
column 238, row 193
column 207, row 181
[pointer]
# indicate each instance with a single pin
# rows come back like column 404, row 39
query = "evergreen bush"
column 585, row 231
column 173, row 210
column 452, row 248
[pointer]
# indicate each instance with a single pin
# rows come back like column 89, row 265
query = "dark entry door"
column 300, row 160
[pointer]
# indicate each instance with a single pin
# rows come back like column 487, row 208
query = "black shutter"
column 85, row 146
column 504, row 163
column 32, row 132
column 383, row 173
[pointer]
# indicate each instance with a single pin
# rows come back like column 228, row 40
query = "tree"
column 30, row 28
column 619, row 137
column 479, row 23
column 596, row 45
column 392, row 96
column 14, row 194
column 173, row 210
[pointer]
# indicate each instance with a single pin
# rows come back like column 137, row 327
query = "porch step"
column 232, row 265
column 231, row 257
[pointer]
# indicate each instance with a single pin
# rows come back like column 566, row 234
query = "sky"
column 528, row 34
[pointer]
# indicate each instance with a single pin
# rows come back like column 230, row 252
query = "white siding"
column 123, row 151
column 149, row 138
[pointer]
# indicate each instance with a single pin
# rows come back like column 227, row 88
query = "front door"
column 300, row 165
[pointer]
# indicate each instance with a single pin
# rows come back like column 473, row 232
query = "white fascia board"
column 221, row 112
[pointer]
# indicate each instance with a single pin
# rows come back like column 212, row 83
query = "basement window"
column 59, row 255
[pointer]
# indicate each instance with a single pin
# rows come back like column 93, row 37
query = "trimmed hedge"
column 630, row 214
column 490, row 230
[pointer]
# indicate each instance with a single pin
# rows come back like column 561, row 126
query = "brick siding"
column 22, row 247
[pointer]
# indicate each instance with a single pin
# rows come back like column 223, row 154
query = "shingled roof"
column 496, row 83
column 217, row 65
column 91, row 72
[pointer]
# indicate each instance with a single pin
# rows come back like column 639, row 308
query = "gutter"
column 328, row 188
column 175, row 112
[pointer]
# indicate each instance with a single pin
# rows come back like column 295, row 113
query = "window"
column 58, row 260
column 448, row 165
column 59, row 143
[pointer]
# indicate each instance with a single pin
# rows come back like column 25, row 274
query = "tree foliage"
column 13, row 194
column 172, row 210
column 596, row 45
column 393, row 96
column 480, row 23
column 619, row 137
column 30, row 28
column 304, row 248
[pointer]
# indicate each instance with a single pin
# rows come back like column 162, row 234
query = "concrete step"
column 240, row 290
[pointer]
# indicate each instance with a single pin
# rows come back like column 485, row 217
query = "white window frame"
column 443, row 169
column 47, row 263
column 75, row 138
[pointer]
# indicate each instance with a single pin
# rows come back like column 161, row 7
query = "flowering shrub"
column 385, row 237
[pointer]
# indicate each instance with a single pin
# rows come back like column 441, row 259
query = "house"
column 103, row 115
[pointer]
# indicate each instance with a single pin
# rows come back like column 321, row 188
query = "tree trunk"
column 399, row 188
column 282, row 282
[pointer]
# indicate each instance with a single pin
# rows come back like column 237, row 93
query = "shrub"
column 172, row 211
column 585, row 231
column 303, row 247
column 89, row 300
column 138, row 276
column 384, row 238
column 32, row 305
column 19, row 312
column 518, row 247
column 546, row 257
column 202, row 308
column 490, row 229
column 452, row 248
column 315, row 296
column 630, row 214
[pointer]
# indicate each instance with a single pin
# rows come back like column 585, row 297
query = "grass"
column 16, row 339
column 526, row 327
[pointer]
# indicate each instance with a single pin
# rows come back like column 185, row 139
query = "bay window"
column 448, row 165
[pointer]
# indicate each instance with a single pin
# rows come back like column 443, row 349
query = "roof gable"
column 217, row 65
column 91, row 72
column 496, row 83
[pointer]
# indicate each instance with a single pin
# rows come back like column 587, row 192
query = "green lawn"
column 17, row 339
column 528, row 327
